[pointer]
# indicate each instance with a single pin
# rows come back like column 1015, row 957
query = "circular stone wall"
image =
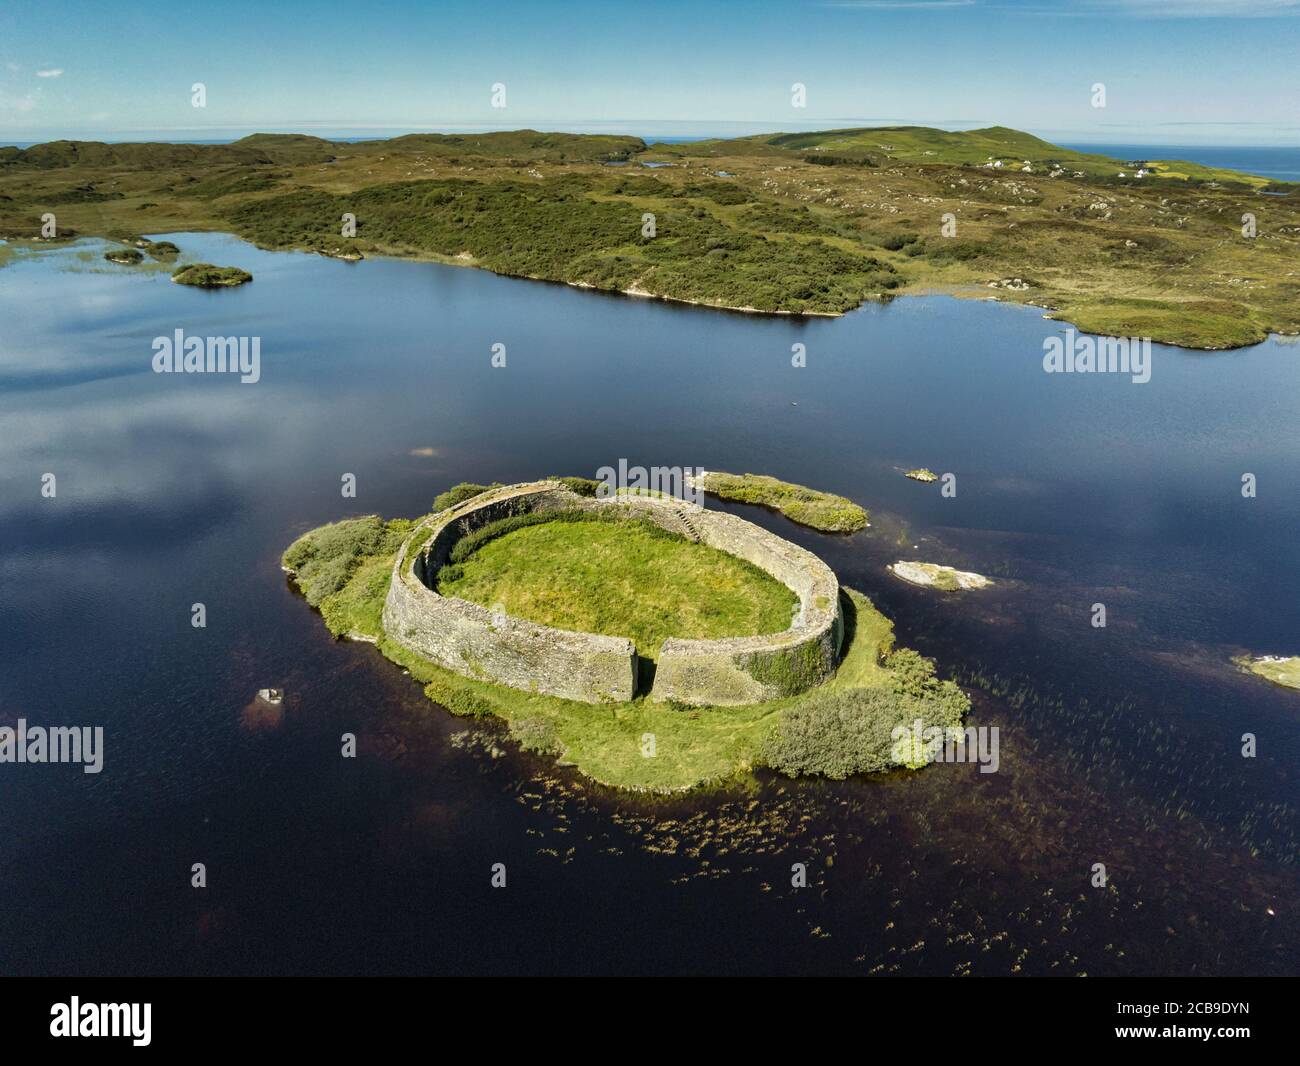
column 471, row 640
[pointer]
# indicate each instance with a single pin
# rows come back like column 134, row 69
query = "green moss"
column 789, row 670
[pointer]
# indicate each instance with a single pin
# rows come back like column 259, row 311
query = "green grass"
column 622, row 578
column 820, row 510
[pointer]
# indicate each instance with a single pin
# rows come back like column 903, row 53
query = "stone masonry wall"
column 466, row 637
column 740, row 670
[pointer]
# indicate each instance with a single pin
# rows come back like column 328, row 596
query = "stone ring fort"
column 489, row 646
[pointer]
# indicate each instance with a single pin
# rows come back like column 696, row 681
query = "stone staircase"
column 692, row 533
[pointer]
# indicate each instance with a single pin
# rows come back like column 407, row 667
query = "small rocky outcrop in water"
column 1276, row 668
column 207, row 276
column 922, row 474
column 933, row 575
column 124, row 256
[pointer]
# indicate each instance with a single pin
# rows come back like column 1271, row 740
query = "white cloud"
column 53, row 72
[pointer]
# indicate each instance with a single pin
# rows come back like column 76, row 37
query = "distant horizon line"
column 673, row 130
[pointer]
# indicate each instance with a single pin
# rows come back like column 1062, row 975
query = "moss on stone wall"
column 790, row 670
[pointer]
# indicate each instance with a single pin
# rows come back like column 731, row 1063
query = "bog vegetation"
column 806, row 223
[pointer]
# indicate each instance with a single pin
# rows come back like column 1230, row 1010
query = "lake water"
column 1118, row 746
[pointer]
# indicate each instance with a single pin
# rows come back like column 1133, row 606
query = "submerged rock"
column 933, row 575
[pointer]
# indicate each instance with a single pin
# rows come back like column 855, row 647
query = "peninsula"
column 807, row 223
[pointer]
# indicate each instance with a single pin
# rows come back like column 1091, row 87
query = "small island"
column 808, row 507
column 922, row 474
column 933, row 575
column 207, row 276
column 163, row 250
column 1279, row 669
column 650, row 643
column 124, row 256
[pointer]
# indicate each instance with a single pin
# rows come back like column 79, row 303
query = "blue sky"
column 1175, row 71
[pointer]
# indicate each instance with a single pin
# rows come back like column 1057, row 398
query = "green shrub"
column 207, row 276
column 457, row 494
column 913, row 676
column 455, row 693
column 839, row 733
column 324, row 559
column 536, row 734
column 583, row 486
column 896, row 242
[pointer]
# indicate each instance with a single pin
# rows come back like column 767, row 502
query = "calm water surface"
column 1120, row 745
column 1281, row 163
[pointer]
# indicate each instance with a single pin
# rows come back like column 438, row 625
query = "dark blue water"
column 1119, row 746
column 1280, row 163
